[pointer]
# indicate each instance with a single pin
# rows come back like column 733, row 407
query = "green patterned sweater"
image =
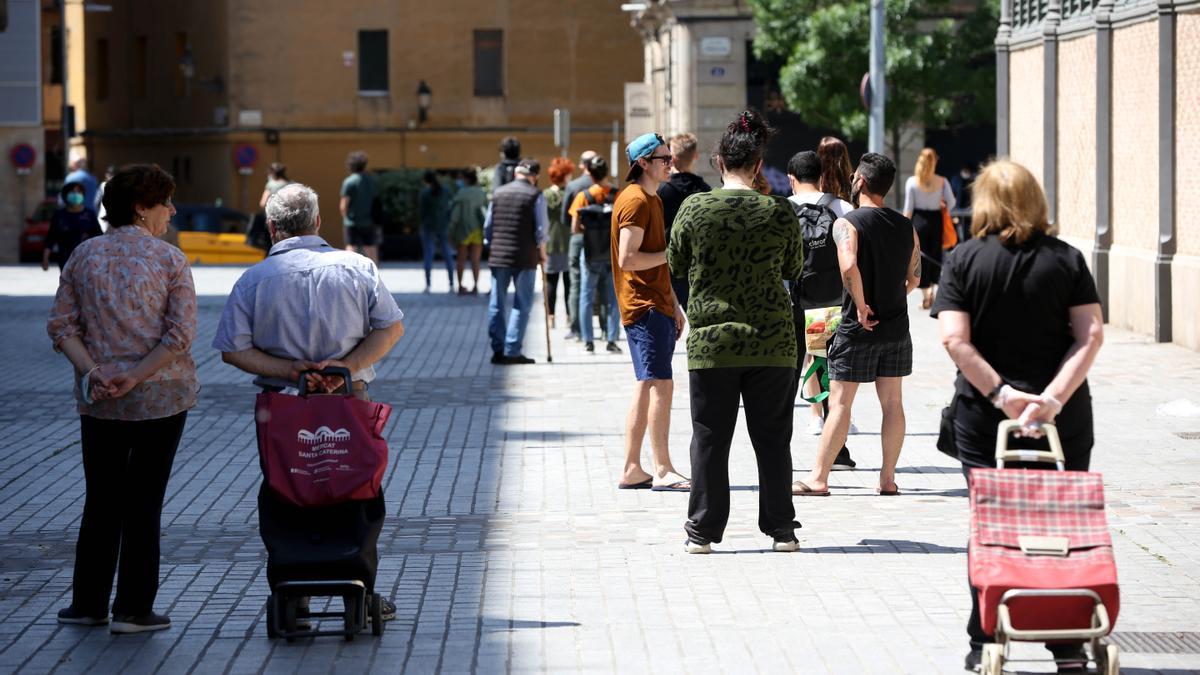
column 735, row 247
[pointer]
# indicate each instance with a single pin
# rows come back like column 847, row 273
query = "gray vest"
column 514, row 226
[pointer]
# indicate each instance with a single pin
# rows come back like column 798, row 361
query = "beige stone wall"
column 1135, row 177
column 20, row 194
column 1185, row 269
column 1025, row 115
column 1135, row 137
column 1187, row 136
column 287, row 61
column 1076, row 149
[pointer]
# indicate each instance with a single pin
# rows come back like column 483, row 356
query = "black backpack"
column 596, row 219
column 820, row 285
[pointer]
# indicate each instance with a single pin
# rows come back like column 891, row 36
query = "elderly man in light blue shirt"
column 308, row 305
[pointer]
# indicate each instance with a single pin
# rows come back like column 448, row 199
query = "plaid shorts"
column 863, row 361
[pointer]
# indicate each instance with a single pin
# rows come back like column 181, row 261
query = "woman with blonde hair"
column 925, row 194
column 1019, row 314
column 835, row 168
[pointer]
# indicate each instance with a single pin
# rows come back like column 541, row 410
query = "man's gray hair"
column 293, row 209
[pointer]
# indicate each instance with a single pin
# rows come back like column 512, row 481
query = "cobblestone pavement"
column 507, row 546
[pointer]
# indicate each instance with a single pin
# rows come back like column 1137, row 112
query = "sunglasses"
column 665, row 159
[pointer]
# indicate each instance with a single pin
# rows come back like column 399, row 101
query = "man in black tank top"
column 880, row 262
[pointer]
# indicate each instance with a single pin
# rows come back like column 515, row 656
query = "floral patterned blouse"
column 123, row 294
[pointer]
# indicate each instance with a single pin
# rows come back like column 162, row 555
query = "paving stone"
column 507, row 549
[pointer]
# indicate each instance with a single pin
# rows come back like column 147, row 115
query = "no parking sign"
column 23, row 156
column 245, row 156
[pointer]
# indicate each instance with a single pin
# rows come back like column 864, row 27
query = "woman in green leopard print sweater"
column 735, row 247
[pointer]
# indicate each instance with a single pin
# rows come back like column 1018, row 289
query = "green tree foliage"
column 940, row 73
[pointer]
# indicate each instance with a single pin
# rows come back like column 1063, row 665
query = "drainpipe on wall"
column 1050, row 107
column 1003, row 35
column 1104, row 154
column 1166, row 171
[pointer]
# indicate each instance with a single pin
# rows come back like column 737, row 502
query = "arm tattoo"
column 841, row 232
column 917, row 265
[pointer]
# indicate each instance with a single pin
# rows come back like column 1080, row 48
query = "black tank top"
column 885, row 245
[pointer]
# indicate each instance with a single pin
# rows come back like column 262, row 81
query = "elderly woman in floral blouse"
column 125, row 316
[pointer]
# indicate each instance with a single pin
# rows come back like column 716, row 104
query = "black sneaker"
column 74, row 617
column 517, row 360
column 138, row 624
column 498, row 358
column 843, row 462
column 613, row 348
column 1070, row 658
column 589, row 347
column 974, row 658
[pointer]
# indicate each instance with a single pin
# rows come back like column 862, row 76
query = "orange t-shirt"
column 638, row 292
column 599, row 193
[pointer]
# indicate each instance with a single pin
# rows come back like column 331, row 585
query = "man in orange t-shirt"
column 650, row 312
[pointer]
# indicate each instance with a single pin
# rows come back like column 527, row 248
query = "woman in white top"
column 924, row 196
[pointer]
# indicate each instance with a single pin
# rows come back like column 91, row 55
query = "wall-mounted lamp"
column 424, row 100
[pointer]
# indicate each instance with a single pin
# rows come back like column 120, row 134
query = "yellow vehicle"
column 214, row 235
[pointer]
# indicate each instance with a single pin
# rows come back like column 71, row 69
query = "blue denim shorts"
column 651, row 344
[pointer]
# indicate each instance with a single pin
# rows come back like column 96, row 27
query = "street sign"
column 562, row 128
column 245, row 156
column 23, row 156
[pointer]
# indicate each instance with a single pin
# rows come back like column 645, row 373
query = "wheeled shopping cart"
column 1040, row 554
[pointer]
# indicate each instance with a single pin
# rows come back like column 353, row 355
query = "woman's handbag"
column 949, row 233
column 947, row 442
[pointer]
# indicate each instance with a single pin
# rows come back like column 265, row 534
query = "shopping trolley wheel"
column 272, row 619
column 1108, row 660
column 376, row 614
column 992, row 662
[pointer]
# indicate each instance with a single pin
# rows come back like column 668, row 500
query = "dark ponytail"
column 744, row 141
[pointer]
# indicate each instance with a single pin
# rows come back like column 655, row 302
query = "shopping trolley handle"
column 1005, row 454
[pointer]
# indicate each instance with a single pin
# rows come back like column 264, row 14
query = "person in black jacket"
column 683, row 183
column 69, row 226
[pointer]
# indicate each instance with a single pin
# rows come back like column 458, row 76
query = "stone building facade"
column 305, row 82
column 1099, row 99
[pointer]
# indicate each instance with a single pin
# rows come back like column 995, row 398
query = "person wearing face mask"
column 879, row 255
column 125, row 316
column 69, row 226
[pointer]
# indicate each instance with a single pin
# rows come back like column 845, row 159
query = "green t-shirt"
column 735, row 247
column 360, row 188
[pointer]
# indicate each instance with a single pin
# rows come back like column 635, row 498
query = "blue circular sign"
column 245, row 156
column 23, row 156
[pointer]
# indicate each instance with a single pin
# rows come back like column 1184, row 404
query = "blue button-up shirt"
column 307, row 300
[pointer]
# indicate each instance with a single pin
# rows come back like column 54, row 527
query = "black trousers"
column 715, row 393
column 126, row 466
column 975, row 423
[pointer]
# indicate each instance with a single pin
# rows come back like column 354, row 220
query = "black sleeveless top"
column 885, row 246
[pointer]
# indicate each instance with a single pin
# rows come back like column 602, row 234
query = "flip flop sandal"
column 888, row 493
column 644, row 485
column 677, row 486
column 801, row 490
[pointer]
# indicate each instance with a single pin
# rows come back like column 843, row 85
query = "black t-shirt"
column 885, row 245
column 1019, row 297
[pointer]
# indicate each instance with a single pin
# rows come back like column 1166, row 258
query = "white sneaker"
column 786, row 546
column 853, row 429
column 693, row 547
column 815, row 426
